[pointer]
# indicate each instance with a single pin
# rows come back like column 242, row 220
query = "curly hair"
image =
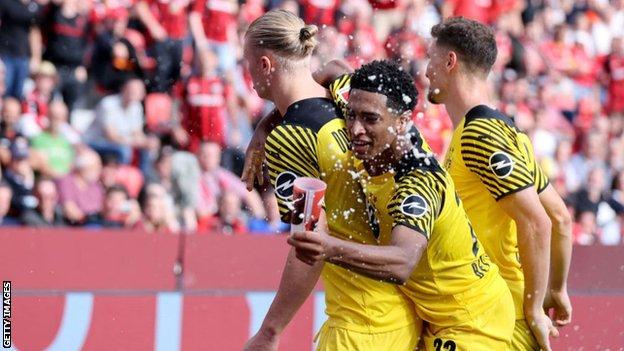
column 387, row 78
column 474, row 42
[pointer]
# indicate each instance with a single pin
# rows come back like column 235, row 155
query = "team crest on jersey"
column 414, row 205
column 501, row 164
column 372, row 219
column 284, row 185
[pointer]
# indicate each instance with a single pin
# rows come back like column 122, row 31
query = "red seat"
column 158, row 108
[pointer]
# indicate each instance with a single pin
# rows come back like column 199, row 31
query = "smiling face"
column 373, row 127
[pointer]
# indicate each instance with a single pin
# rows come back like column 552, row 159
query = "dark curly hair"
column 473, row 41
column 387, row 78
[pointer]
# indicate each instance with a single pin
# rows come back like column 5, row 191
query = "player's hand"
column 311, row 247
column 262, row 342
column 559, row 303
column 254, row 159
column 542, row 329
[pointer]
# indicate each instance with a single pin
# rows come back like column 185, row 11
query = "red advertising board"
column 98, row 290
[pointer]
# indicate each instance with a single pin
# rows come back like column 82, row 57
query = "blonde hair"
column 283, row 33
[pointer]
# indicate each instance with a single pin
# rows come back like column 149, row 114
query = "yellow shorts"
column 523, row 339
column 338, row 339
column 488, row 331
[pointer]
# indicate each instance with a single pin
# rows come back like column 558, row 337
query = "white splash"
column 406, row 99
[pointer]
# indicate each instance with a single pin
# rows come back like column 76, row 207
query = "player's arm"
column 504, row 171
column 298, row 280
column 534, row 228
column 287, row 158
column 330, row 71
column 393, row 263
column 413, row 209
column 560, row 255
column 255, row 153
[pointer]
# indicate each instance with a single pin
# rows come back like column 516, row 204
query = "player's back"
column 488, row 159
column 312, row 141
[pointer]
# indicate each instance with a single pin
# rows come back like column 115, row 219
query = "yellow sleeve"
column 539, row 177
column 291, row 153
column 339, row 90
column 491, row 150
column 416, row 202
column 541, row 180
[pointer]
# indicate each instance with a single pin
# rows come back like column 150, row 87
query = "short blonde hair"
column 283, row 33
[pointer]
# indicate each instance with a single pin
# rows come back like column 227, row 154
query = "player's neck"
column 387, row 159
column 468, row 93
column 293, row 88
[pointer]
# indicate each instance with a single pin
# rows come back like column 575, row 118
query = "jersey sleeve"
column 539, row 176
column 493, row 152
column 339, row 90
column 291, row 153
column 541, row 180
column 416, row 203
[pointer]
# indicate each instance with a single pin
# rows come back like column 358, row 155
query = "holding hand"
column 312, row 247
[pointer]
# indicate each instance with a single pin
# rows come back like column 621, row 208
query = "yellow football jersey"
column 488, row 159
column 452, row 282
column 312, row 141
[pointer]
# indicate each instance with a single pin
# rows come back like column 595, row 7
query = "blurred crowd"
column 137, row 113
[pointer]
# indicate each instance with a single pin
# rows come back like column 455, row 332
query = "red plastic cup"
column 308, row 195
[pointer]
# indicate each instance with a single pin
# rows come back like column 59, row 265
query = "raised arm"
column 560, row 256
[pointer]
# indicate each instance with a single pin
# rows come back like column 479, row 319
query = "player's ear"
column 451, row 60
column 266, row 64
column 403, row 122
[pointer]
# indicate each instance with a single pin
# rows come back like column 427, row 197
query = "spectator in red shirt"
column 319, row 12
column 474, row 9
column 615, row 67
column 209, row 103
column 35, row 105
column 165, row 21
column 213, row 24
column 67, row 34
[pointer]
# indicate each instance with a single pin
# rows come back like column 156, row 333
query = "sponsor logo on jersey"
column 414, row 205
column 284, row 185
column 501, row 164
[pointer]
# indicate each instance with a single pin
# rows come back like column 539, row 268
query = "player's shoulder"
column 312, row 114
column 418, row 169
column 485, row 118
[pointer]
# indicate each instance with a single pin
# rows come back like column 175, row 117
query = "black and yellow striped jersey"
column 312, row 141
column 448, row 284
column 488, row 159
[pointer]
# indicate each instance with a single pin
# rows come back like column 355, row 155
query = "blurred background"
column 121, row 119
